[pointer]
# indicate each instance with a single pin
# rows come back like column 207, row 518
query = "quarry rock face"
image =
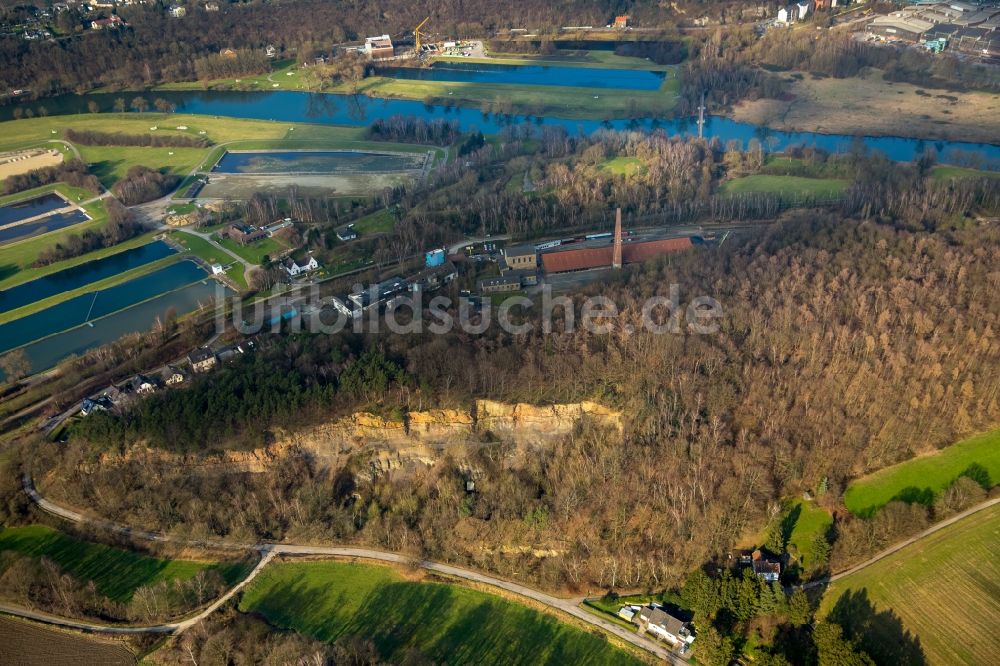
column 376, row 444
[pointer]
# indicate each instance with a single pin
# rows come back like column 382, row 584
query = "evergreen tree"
column 798, row 608
column 834, row 650
column 713, row 648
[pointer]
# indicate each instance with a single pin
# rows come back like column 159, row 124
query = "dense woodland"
column 141, row 184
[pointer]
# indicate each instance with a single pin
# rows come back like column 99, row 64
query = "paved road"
column 270, row 550
column 903, row 544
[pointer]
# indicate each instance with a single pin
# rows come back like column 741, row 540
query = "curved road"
column 270, row 550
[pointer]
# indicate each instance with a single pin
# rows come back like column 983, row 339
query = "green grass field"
column 623, row 166
column 210, row 254
column 446, row 623
column 944, row 588
column 255, row 252
column 566, row 58
column 379, row 222
column 942, row 172
column 809, row 522
column 791, row 187
column 110, row 163
column 922, row 477
column 117, row 573
column 74, row 194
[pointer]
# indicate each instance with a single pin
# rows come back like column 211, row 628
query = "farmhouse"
column 202, row 359
column 245, row 233
column 379, row 47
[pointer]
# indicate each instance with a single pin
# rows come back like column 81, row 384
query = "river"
column 358, row 110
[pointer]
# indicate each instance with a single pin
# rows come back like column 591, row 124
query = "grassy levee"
column 117, row 573
column 327, row 600
column 943, row 589
column 791, row 188
column 921, row 478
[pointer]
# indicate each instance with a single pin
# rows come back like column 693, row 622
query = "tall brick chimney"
column 616, row 261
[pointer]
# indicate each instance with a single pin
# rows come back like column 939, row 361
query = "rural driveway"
column 270, row 550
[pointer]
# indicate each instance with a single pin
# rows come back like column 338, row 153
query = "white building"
column 294, row 269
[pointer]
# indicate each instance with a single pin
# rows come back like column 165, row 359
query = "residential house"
column 379, row 47
column 144, row 385
column 228, row 353
column 786, row 15
column 218, row 269
column 621, row 22
column 347, row 233
column 766, row 566
column 202, row 359
column 101, row 404
column 663, row 625
column 244, row 234
column 804, row 8
column 109, row 23
column 173, row 376
column 293, row 268
column 177, row 11
column 431, row 279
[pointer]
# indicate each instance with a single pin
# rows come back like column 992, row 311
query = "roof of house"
column 664, row 619
column 764, row 562
column 585, row 258
column 502, row 280
column 201, row 354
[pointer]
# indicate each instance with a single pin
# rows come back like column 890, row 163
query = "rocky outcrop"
column 531, row 424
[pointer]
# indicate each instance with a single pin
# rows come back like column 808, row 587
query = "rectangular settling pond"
column 317, row 161
column 44, row 225
column 22, row 210
column 533, row 75
column 95, row 304
column 82, row 275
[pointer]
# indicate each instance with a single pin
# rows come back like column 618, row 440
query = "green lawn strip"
column 327, row 600
column 125, row 276
column 808, row 521
column 792, row 188
column 210, row 254
column 18, row 256
column 181, row 209
column 622, row 166
column 379, row 222
column 117, row 573
column 255, row 252
column 942, row 172
column 27, row 273
column 921, row 478
column 942, row 588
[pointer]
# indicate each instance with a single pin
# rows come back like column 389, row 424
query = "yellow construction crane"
column 416, row 33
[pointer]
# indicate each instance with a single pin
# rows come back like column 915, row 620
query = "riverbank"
column 872, row 106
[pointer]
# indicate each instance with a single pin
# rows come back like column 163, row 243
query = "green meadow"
column 117, row 573
column 445, row 623
column 921, row 478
